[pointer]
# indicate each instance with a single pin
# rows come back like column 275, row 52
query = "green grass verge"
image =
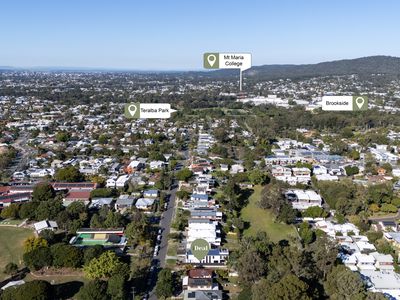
column 264, row 220
column 11, row 222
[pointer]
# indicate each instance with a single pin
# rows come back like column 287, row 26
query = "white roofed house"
column 158, row 164
column 303, row 175
column 320, row 170
column 45, row 225
column 303, row 199
column 215, row 256
column 150, row 194
column 122, row 181
column 111, row 182
column 144, row 203
column 383, row 261
column 281, row 173
column 203, row 229
column 124, row 202
column 237, row 168
column 365, row 261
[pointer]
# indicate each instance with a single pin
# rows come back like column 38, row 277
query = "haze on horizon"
column 161, row 35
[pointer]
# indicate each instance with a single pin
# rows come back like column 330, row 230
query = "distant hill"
column 363, row 66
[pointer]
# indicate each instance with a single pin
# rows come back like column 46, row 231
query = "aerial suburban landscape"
column 213, row 174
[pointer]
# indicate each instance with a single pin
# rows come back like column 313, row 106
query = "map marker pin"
column 211, row 59
column 200, row 248
column 132, row 109
column 360, row 102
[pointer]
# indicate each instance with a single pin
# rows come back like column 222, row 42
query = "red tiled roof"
column 81, row 195
column 200, row 273
column 4, row 189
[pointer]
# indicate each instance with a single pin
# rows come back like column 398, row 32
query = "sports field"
column 11, row 245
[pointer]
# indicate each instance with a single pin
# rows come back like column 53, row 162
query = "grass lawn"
column 10, row 222
column 263, row 220
column 11, row 245
column 56, row 279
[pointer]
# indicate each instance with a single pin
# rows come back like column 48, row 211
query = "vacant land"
column 263, row 220
column 11, row 245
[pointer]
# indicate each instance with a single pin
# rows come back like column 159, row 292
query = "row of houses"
column 359, row 255
column 204, row 221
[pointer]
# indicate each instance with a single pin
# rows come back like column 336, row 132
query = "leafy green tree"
column 324, row 252
column 351, row 170
column 272, row 197
column 116, row 287
column 184, row 175
column 48, row 210
column 10, row 268
column 289, row 287
column 31, row 290
column 287, row 214
column 28, row 210
column 137, row 229
column 250, row 266
column 93, row 290
column 114, row 220
column 32, row 243
column 90, row 253
column 10, row 212
column 48, row 235
column 38, row 258
column 62, row 136
column 75, row 209
column 69, row 174
column 387, row 207
column 341, row 283
column 354, row 154
column 257, row 176
column 66, row 255
column 102, row 267
column 164, row 286
column 43, row 192
column 103, row 192
column 306, row 233
column 315, row 212
column 259, row 289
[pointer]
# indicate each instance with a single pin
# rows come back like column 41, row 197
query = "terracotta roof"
column 81, row 195
column 200, row 273
column 4, row 189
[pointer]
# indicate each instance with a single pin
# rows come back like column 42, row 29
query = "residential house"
column 45, row 225
column 77, row 195
column 383, row 261
column 150, row 194
column 158, row 164
column 303, row 199
column 203, row 229
column 100, row 202
column 144, row 203
column 203, row 295
column 236, row 168
column 215, row 256
column 124, row 202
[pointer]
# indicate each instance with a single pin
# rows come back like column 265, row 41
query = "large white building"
column 303, row 199
column 203, row 229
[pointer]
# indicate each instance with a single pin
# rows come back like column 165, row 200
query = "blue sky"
column 172, row 35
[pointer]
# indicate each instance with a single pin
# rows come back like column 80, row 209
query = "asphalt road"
column 165, row 224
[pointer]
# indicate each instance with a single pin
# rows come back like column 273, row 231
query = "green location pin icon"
column 200, row 248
